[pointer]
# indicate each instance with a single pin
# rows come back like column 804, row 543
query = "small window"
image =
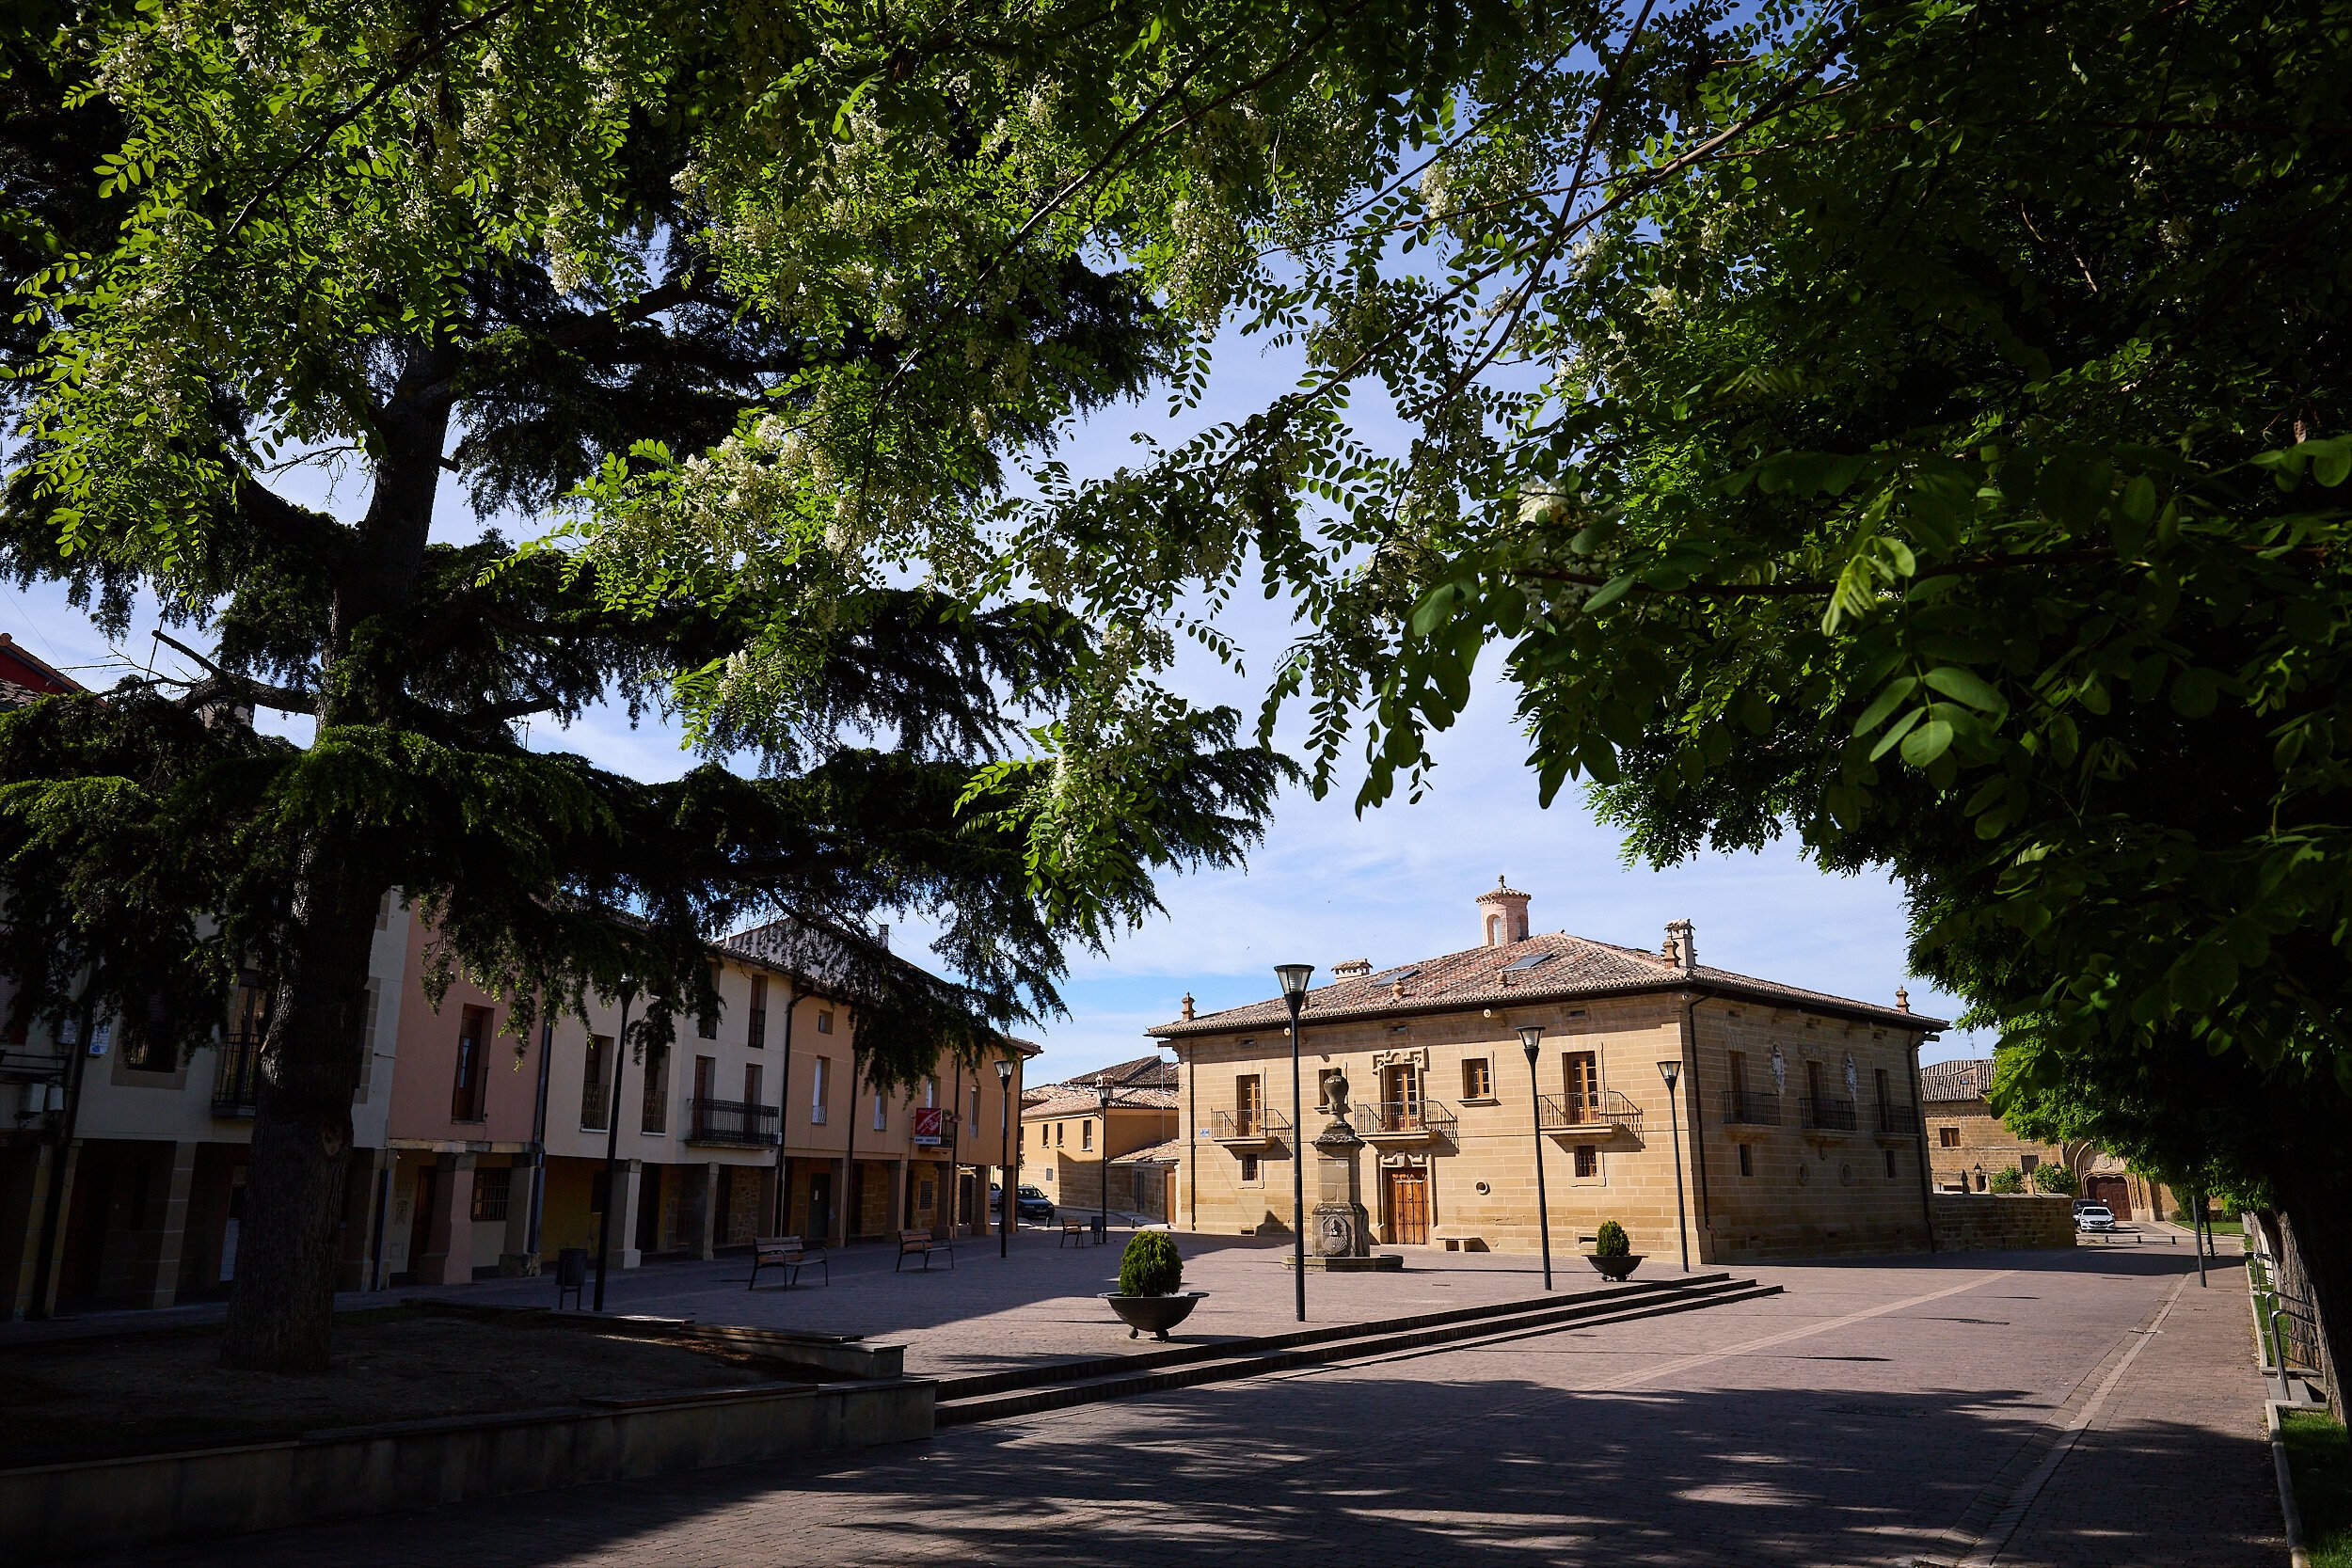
column 1249, row 1170
column 1478, row 1079
column 824, row 1023
column 1588, row 1159
column 1890, row 1161
column 593, row 1087
column 1948, row 1137
column 1058, row 1134
column 756, row 1036
column 1747, row 1160
column 470, row 1087
column 1086, row 1135
column 817, row 1094
column 490, row 1190
column 751, row 1083
column 2025, row 1164
column 880, row 1116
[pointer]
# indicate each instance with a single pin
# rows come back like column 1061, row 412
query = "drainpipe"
column 1192, row 1159
column 1691, row 1088
column 794, row 994
column 1920, row 1110
column 955, row 1150
column 850, row 1197
column 539, row 1132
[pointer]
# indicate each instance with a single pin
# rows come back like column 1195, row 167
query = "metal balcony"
column 1742, row 1109
column 1406, row 1121
column 238, row 1084
column 1825, row 1115
column 1600, row 1110
column 593, row 1097
column 1250, row 1124
column 1901, row 1120
column 732, row 1122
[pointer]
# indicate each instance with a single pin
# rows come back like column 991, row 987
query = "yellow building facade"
column 1792, row 1125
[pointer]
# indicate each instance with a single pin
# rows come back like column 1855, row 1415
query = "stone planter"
column 1155, row 1314
column 1615, row 1270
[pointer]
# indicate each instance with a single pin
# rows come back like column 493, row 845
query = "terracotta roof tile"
column 1550, row 967
column 1155, row 1071
column 1967, row 1079
column 1167, row 1153
column 1064, row 1099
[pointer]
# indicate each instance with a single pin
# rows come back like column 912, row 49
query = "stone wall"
column 1796, row 1191
column 1993, row 1223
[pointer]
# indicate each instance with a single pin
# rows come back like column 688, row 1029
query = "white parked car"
column 2094, row 1216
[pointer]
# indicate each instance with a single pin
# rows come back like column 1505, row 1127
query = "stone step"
column 1243, row 1358
column 1210, row 1350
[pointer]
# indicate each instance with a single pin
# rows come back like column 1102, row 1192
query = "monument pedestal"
column 1339, row 1229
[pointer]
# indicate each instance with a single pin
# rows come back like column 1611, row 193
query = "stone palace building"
column 1797, row 1112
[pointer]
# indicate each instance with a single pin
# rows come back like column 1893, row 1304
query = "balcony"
column 1742, row 1109
column 1825, row 1115
column 238, row 1082
column 1597, row 1112
column 593, row 1097
column 1250, row 1124
column 734, row 1123
column 1899, row 1120
column 1406, row 1121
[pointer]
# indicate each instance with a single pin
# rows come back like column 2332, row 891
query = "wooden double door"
column 1408, row 1198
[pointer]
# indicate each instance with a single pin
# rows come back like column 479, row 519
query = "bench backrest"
column 915, row 1238
column 1074, row 1225
column 786, row 1244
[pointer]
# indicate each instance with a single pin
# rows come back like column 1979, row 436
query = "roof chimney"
column 1349, row 969
column 1902, row 1000
column 1187, row 1007
column 1501, row 915
column 1682, row 946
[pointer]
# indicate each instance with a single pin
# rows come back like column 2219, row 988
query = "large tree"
column 1932, row 446
column 792, row 285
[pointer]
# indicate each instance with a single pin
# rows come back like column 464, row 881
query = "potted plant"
column 1150, row 1275
column 1612, row 1253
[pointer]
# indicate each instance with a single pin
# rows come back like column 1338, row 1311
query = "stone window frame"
column 1250, row 1172
column 1599, row 1175
column 1489, row 1096
column 1747, row 1158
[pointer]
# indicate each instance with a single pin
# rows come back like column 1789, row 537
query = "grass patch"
column 2321, row 1459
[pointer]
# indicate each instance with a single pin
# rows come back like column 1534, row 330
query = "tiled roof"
column 1167, row 1153
column 1554, row 966
column 1063, row 1099
column 13, row 695
column 1153, row 1072
column 1967, row 1079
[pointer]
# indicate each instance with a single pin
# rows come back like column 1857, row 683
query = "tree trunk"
column 281, row 1305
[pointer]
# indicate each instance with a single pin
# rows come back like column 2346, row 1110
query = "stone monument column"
column 1339, row 1227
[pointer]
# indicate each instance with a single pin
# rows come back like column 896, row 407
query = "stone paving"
column 2090, row 1405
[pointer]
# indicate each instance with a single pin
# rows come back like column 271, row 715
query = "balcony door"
column 1400, row 1096
column 1583, row 1084
column 1249, row 1106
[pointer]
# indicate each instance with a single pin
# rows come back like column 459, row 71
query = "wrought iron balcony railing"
column 1826, row 1115
column 732, row 1122
column 1592, row 1111
column 1249, row 1124
column 1898, row 1118
column 594, row 1098
column 238, row 1082
column 1744, row 1109
column 1405, row 1119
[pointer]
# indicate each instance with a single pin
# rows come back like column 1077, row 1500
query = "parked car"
column 1029, row 1203
column 2094, row 1216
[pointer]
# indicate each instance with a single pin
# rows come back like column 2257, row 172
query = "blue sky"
column 1399, row 884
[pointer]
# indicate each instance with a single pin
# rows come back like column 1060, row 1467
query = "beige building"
column 1796, row 1112
column 1968, row 1145
column 1070, row 1143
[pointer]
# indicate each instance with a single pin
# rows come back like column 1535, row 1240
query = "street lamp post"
column 613, row 1141
column 1105, row 1091
column 1004, row 1139
column 1532, row 1040
column 1295, row 978
column 1672, row 1073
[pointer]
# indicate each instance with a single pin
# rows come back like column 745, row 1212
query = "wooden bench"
column 1071, row 1227
column 786, row 1253
column 922, row 1243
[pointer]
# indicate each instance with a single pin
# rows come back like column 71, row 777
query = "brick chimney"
column 1682, row 946
column 1501, row 915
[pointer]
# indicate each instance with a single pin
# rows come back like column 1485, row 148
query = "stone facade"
column 2001, row 1224
column 1968, row 1145
column 1794, row 1111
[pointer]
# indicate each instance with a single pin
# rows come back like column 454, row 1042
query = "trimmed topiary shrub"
column 2055, row 1178
column 1609, row 1240
column 1150, row 1266
column 2009, row 1181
